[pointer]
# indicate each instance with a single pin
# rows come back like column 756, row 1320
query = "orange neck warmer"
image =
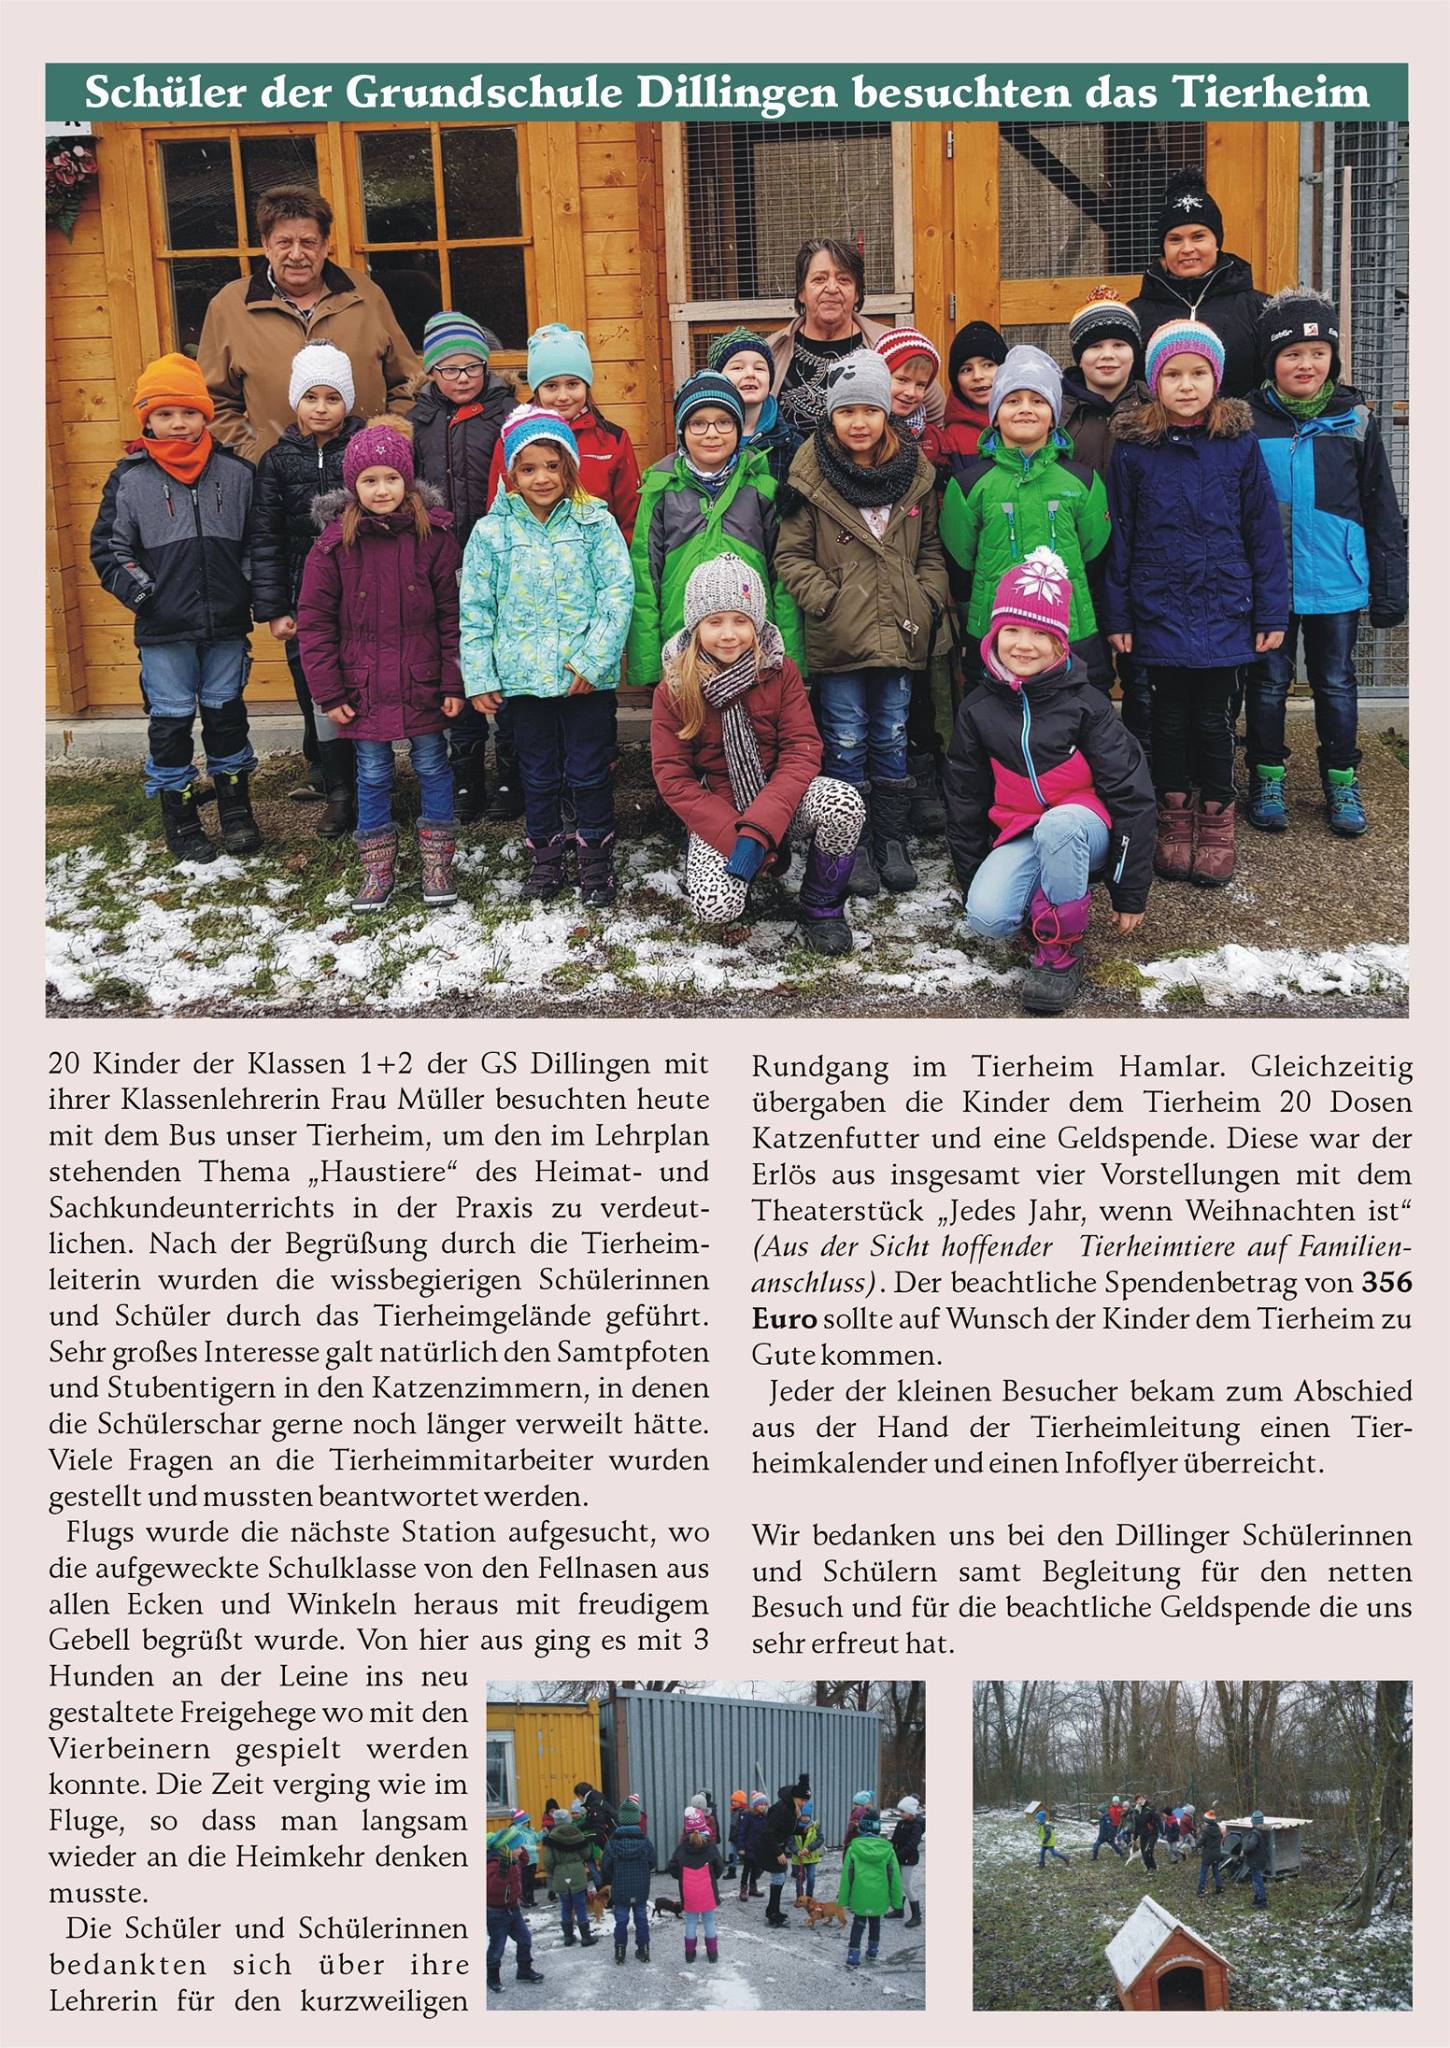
column 185, row 460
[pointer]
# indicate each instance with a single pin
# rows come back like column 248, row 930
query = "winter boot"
column 928, row 812
column 1053, row 982
column 1173, row 855
column 597, row 886
column 1267, row 808
column 338, row 816
column 744, row 1890
column 550, row 872
column 495, row 1981
column 641, row 1953
column 895, row 1913
column 437, row 845
column 621, row 1950
column 586, row 1939
column 1213, row 850
column 526, row 1973
column 378, row 852
column 864, row 879
column 873, row 1953
column 690, row 1947
column 890, row 824
column 185, row 834
column 507, row 800
column 570, row 1935
column 712, row 1949
column 915, row 1920
column 853, row 1959
column 470, row 787
column 1346, row 805
column 234, row 818
column 822, row 901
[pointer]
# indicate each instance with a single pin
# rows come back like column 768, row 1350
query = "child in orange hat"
column 171, row 541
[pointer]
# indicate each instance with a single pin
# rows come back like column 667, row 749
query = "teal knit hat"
column 558, row 351
column 453, row 334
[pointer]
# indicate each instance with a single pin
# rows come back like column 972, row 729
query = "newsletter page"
column 724, row 1070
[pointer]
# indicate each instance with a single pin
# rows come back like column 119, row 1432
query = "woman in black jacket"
column 776, row 1837
column 1194, row 277
column 304, row 465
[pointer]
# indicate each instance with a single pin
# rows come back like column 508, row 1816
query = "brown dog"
column 802, row 1901
column 599, row 1901
column 818, row 1910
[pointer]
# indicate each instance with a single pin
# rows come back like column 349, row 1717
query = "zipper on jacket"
column 201, row 548
column 1027, row 751
column 1009, row 513
column 1122, row 858
column 1052, row 505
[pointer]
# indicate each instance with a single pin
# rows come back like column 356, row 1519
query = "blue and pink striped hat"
column 1183, row 338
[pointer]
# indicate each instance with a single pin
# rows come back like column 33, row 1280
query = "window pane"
column 488, row 285
column 481, row 183
column 410, row 279
column 397, row 187
column 269, row 160
column 196, row 185
column 195, row 282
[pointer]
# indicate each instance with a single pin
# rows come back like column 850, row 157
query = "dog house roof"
column 1141, row 1936
column 1270, row 1820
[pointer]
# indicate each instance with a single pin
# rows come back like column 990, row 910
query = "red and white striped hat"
column 899, row 343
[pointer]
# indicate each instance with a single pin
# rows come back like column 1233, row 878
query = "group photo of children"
column 1257, row 1854
column 943, row 651
column 805, row 1894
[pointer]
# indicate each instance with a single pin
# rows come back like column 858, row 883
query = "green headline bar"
column 617, row 92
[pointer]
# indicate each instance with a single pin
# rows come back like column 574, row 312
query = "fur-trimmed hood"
column 1228, row 418
column 332, row 504
column 771, row 656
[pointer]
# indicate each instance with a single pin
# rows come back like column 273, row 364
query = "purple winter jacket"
column 377, row 623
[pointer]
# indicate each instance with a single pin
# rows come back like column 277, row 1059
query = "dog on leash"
column 675, row 1906
column 598, row 1901
column 818, row 1910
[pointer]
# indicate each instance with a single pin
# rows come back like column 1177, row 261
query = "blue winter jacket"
column 629, row 1861
column 1196, row 560
column 1342, row 521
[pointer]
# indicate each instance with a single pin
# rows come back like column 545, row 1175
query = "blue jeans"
column 805, row 1880
column 1046, row 1851
column 375, row 780
column 179, row 678
column 566, row 739
column 1062, row 853
column 863, row 724
column 1203, row 1869
column 871, row 1925
column 504, row 1921
column 574, row 1906
column 1329, row 661
column 640, row 1909
column 705, row 1922
column 1261, row 1890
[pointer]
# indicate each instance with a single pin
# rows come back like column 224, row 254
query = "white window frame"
column 892, row 308
column 505, row 1737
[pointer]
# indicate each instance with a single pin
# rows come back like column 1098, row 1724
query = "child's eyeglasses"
column 456, row 372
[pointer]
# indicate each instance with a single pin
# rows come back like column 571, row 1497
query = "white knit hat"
column 724, row 584
column 321, row 363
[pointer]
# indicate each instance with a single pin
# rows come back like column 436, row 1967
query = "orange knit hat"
column 172, row 380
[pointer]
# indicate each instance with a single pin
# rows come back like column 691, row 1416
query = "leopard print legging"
column 831, row 812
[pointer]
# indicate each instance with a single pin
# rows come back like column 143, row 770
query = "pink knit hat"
column 1034, row 593
column 898, row 344
column 382, row 444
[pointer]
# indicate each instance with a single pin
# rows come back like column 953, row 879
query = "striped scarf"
column 723, row 689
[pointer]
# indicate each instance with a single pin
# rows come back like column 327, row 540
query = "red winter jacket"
column 377, row 623
column 958, row 433
column 505, row 1881
column 692, row 777
column 608, row 468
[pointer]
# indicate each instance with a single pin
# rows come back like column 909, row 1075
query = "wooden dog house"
column 1159, row 1965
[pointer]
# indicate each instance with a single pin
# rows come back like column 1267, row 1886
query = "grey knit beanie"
column 1027, row 369
column 860, row 379
column 725, row 584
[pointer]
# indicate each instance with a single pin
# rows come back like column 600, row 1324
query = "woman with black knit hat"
column 1194, row 278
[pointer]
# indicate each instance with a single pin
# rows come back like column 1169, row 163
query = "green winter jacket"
column 566, row 1849
column 807, row 1846
column 679, row 527
column 543, row 601
column 1000, row 505
column 867, row 603
column 870, row 1877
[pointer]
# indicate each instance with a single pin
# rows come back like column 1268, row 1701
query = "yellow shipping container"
column 537, row 1753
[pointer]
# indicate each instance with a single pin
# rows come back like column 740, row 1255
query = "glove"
column 747, row 860
column 1384, row 620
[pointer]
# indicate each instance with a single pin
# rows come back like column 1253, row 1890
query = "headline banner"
column 1072, row 92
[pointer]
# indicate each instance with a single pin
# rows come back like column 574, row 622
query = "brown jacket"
column 866, row 603
column 250, row 337
column 782, row 347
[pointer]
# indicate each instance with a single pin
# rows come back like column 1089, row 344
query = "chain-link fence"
column 1079, row 199
column 756, row 191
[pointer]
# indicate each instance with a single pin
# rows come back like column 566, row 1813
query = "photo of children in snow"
column 1257, row 1852
column 793, row 1898
column 1118, row 559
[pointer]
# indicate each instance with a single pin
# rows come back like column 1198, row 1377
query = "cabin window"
column 500, row 1777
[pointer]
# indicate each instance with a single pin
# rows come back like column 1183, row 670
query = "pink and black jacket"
column 1018, row 752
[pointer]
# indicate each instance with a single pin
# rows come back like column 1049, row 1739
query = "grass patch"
column 1184, row 995
column 1124, row 975
column 1397, row 743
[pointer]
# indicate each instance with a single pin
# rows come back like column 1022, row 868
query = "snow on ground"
column 1039, row 1935
column 761, row 1969
column 143, row 933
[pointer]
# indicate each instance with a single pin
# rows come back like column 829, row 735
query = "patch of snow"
column 1239, row 973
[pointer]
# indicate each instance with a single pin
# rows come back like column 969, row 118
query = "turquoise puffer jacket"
column 543, row 601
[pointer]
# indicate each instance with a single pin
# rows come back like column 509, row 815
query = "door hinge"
column 951, row 143
column 951, row 305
